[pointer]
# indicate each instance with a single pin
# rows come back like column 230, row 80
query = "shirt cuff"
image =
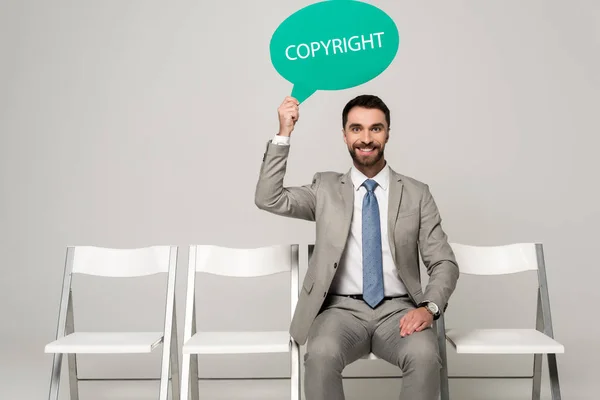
column 281, row 140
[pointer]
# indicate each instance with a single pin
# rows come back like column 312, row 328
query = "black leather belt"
column 360, row 296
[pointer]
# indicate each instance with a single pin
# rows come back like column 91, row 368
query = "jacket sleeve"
column 436, row 253
column 295, row 202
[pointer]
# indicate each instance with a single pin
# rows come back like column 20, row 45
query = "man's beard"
column 368, row 162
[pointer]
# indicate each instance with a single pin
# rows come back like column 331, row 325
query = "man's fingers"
column 413, row 325
column 290, row 112
column 289, row 109
column 405, row 323
column 404, row 320
column 422, row 326
column 290, row 101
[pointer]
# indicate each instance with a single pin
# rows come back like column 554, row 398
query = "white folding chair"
column 238, row 263
column 510, row 259
column 440, row 329
column 117, row 263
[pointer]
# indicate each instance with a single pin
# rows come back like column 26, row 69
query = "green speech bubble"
column 333, row 45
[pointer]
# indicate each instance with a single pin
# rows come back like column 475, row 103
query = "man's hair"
column 366, row 101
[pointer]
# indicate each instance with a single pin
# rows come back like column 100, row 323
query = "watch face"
column 433, row 307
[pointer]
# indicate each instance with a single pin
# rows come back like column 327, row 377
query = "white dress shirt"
column 282, row 140
column 348, row 278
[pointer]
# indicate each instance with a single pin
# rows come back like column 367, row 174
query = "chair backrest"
column 496, row 260
column 510, row 259
column 241, row 263
column 238, row 262
column 111, row 262
column 118, row 263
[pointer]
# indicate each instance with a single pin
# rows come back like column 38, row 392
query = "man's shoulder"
column 409, row 181
column 329, row 176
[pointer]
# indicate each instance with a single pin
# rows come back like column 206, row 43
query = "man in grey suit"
column 362, row 291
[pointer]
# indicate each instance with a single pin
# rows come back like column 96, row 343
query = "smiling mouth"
column 366, row 150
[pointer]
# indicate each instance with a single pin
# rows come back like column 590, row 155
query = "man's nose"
column 365, row 137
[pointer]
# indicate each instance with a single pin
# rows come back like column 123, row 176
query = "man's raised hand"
column 288, row 115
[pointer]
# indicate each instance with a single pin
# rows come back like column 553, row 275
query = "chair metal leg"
column 65, row 323
column 553, row 369
column 55, row 377
column 185, row 378
column 73, row 380
column 72, row 358
column 169, row 368
column 295, row 383
column 194, row 380
column 537, row 377
column 189, row 371
column 163, row 392
column 194, row 377
column 169, row 365
column 441, row 335
column 544, row 310
column 174, row 365
column 537, row 358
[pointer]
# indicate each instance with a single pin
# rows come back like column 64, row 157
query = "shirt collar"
column 382, row 178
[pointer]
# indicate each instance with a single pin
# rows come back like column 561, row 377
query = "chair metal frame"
column 66, row 326
column 543, row 325
column 189, row 376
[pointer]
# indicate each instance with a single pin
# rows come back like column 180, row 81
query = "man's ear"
column 344, row 135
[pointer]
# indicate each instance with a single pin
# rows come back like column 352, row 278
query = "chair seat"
column 503, row 341
column 106, row 342
column 370, row 356
column 238, row 343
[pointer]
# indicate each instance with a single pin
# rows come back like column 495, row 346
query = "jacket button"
column 334, row 265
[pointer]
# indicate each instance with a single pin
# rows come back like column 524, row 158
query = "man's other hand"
column 415, row 321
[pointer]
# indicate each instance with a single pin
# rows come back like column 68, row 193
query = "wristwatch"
column 432, row 308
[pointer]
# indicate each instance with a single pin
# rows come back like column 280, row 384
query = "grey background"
column 134, row 123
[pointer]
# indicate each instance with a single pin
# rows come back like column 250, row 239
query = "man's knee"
column 421, row 352
column 324, row 352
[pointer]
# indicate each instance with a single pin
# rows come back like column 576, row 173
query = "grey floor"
column 29, row 378
column 356, row 389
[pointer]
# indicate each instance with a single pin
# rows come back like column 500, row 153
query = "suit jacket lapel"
column 394, row 199
column 347, row 194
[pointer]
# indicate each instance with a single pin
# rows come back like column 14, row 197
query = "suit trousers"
column 347, row 329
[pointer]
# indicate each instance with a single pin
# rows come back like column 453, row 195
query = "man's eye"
column 376, row 129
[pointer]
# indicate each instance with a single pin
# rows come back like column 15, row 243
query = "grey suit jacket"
column 414, row 224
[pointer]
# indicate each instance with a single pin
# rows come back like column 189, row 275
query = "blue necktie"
column 371, row 248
